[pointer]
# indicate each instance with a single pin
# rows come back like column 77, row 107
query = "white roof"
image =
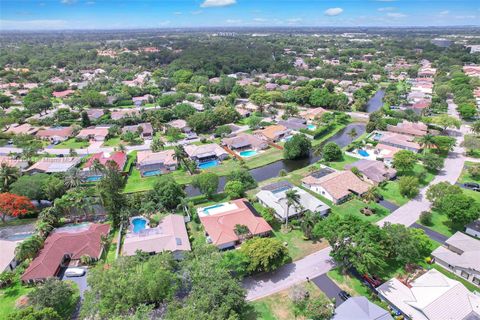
column 359, row 308
column 7, row 249
column 469, row 259
column 432, row 296
column 277, row 200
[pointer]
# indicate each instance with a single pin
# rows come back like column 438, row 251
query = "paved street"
column 266, row 284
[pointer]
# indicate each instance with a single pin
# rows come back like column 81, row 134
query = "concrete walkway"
column 311, row 266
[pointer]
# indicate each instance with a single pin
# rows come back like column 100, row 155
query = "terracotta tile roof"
column 59, row 244
column 22, row 129
column 410, row 128
column 64, row 132
column 339, row 184
column 272, row 132
column 84, row 133
column 50, row 165
column 119, row 157
column 221, row 226
column 149, row 157
column 62, row 94
column 312, row 114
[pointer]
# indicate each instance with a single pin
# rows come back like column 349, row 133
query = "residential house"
column 461, row 255
column 146, row 130
column 273, row 133
column 170, row 235
column 336, row 186
column 244, row 141
column 53, row 165
column 221, row 222
column 373, row 171
column 360, row 308
column 63, row 94
column 22, row 129
column 206, row 152
column 119, row 157
column 385, row 153
column 274, row 196
column 7, row 258
column 294, row 124
column 313, row 114
column 139, row 101
column 12, row 162
column 432, row 296
column 152, row 163
column 93, row 133
column 94, row 114
column 125, row 113
column 473, row 228
column 417, row 129
column 180, row 124
column 63, row 248
column 56, row 134
column 397, row 140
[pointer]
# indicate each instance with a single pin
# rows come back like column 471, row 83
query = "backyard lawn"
column 339, row 165
column 279, row 306
column 8, row 297
column 72, row 144
column 112, row 142
column 298, row 246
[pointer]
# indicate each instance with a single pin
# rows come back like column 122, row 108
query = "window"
column 476, row 281
column 464, row 274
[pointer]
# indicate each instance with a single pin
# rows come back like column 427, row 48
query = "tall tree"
column 109, row 189
column 8, row 175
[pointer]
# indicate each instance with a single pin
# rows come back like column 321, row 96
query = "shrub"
column 426, row 218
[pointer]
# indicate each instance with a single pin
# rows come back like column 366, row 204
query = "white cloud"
column 260, row 20
column 294, row 20
column 217, row 3
column 396, row 15
column 384, row 9
column 32, row 24
column 333, row 11
column 233, row 21
column 444, row 13
column 164, row 23
column 68, row 1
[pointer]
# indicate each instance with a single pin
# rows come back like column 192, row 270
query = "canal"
column 375, row 102
column 341, row 138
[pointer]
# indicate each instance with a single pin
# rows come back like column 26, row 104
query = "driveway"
column 431, row 234
column 80, row 281
column 311, row 266
column 329, row 287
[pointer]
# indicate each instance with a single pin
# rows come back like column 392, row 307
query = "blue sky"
column 121, row 14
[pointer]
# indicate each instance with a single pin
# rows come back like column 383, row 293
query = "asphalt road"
column 431, row 234
column 329, row 287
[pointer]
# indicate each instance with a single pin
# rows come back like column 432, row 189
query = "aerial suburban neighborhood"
column 256, row 168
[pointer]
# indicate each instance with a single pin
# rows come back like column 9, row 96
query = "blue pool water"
column 20, row 236
column 377, row 136
column 248, row 153
column 139, row 224
column 363, row 153
column 152, row 173
column 208, row 164
column 93, row 178
column 311, row 127
column 212, row 207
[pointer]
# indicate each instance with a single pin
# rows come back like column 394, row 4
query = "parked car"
column 75, row 272
column 372, row 280
column 344, row 295
column 471, row 185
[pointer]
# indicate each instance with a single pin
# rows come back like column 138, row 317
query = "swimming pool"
column 93, row 178
column 208, row 164
column 20, row 236
column 138, row 224
column 311, row 127
column 152, row 173
column 377, row 136
column 363, row 153
column 248, row 153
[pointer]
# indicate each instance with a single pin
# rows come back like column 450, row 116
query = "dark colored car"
column 344, row 295
column 373, row 281
column 471, row 185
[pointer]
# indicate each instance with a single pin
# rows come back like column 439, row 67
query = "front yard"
column 280, row 306
column 72, row 144
column 9, row 295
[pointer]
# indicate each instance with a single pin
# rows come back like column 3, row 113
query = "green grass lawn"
column 340, row 165
column 465, row 176
column 298, row 246
column 137, row 183
column 354, row 206
column 8, row 297
column 279, row 306
column 348, row 283
column 72, row 144
column 113, row 142
column 441, row 224
column 265, row 157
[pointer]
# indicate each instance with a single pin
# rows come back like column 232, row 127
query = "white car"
column 74, row 272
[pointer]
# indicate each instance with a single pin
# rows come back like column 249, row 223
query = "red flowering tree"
column 14, row 205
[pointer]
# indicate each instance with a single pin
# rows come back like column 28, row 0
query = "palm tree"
column 371, row 195
column 427, row 141
column 121, row 147
column 185, row 206
column 181, row 155
column 293, row 199
column 352, row 133
column 73, row 178
column 97, row 167
column 28, row 248
column 8, row 175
